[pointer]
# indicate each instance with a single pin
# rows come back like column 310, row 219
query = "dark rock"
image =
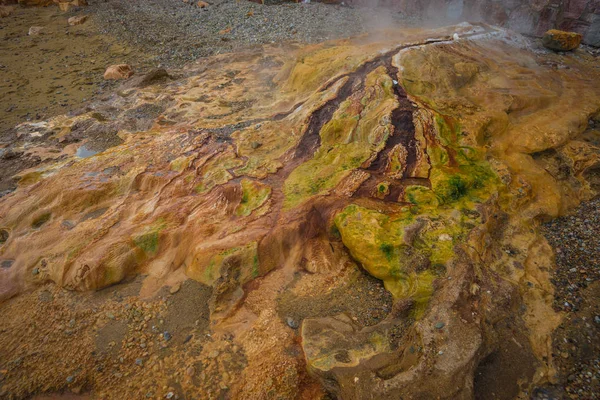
column 292, row 323
column 3, row 236
column 155, row 76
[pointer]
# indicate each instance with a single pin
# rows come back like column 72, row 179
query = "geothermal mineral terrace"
column 355, row 219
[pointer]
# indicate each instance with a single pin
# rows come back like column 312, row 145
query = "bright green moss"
column 254, row 195
column 148, row 242
column 148, row 239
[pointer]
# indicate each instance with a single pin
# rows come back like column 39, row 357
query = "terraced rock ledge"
column 275, row 191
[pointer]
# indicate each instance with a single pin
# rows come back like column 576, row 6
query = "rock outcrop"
column 77, row 20
column 120, row 71
column 282, row 172
column 561, row 41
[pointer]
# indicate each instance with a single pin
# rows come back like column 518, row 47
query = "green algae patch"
column 383, row 189
column 420, row 196
column 472, row 183
column 30, row 178
column 377, row 241
column 148, row 240
column 407, row 250
column 241, row 262
column 41, row 220
column 358, row 129
column 459, row 174
column 254, row 195
column 216, row 171
column 181, row 163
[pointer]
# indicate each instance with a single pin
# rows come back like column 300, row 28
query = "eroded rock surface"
column 282, row 172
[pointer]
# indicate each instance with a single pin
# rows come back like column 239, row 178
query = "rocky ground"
column 576, row 281
column 180, row 31
column 54, row 71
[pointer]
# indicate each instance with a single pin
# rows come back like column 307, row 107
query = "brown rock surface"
column 77, row 20
column 5, row 11
column 276, row 179
column 35, row 30
column 120, row 71
column 36, row 3
column 64, row 6
column 561, row 40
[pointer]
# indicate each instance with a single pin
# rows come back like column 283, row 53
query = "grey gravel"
column 576, row 278
column 292, row 323
column 178, row 32
column 577, row 248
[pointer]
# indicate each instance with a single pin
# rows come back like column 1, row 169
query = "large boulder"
column 561, row 40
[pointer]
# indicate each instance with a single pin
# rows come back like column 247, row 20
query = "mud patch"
column 507, row 371
column 99, row 136
column 119, row 292
column 364, row 300
column 188, row 311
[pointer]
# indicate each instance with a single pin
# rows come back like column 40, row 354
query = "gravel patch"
column 178, row 32
column 576, row 342
column 577, row 248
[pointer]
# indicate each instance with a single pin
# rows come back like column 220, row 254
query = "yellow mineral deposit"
column 414, row 156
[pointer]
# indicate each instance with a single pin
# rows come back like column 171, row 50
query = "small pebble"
column 292, row 323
